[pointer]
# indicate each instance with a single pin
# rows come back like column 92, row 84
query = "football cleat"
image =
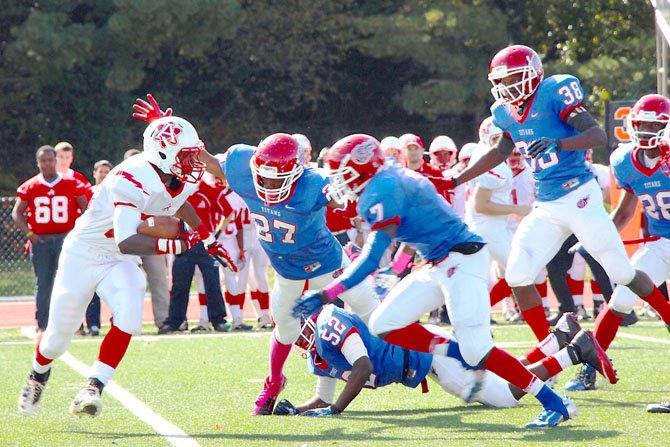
column 266, row 399
column 566, row 328
column 584, row 348
column 585, row 381
column 551, row 418
column 582, row 314
column 265, row 322
column 285, row 408
column 661, row 407
column 240, row 326
column 31, row 393
column 88, row 401
column 222, row 327
column 201, row 328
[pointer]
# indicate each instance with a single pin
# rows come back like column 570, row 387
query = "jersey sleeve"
column 491, row 180
column 381, row 206
column 333, row 330
column 321, row 189
column 23, row 191
column 568, row 95
column 235, row 157
column 128, row 197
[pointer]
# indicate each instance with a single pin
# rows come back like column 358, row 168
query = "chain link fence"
column 16, row 274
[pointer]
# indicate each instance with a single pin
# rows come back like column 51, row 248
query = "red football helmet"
column 647, row 120
column 515, row 161
column 410, row 138
column 276, row 168
column 515, row 60
column 353, row 161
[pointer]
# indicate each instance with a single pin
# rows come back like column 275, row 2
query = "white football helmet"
column 305, row 148
column 465, row 154
column 173, row 146
column 489, row 133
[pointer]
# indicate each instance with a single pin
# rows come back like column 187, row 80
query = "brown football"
column 160, row 226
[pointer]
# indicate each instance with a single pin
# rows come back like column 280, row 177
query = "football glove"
column 309, row 303
column 216, row 250
column 149, row 111
column 285, row 408
column 385, row 280
column 543, row 146
column 330, row 410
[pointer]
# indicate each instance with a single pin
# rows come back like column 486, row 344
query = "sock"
column 552, row 365
column 278, row 354
column 236, row 313
column 500, row 291
column 606, row 327
column 204, row 315
column 510, row 368
column 537, row 320
column 542, row 289
column 597, row 293
column 415, row 337
column 114, row 347
column 102, row 372
column 550, row 400
column 41, row 364
column 545, row 348
column 659, row 303
column 576, row 287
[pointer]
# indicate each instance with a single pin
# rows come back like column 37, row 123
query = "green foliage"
column 240, row 69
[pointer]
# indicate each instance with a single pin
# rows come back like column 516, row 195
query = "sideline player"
column 46, row 209
column 641, row 167
column 402, row 205
column 340, row 345
column 100, row 253
column 547, row 121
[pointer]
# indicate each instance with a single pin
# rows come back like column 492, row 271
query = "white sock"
column 40, row 369
column 535, row 386
column 563, row 358
column 549, row 345
column 236, row 313
column 204, row 316
column 101, row 371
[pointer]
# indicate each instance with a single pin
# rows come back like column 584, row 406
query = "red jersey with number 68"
column 52, row 207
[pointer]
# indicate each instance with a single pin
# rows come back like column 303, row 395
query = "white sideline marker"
column 643, row 338
column 163, row 427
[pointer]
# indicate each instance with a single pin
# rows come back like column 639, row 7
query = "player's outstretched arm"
column 591, row 134
column 496, row 155
column 212, row 165
column 625, row 210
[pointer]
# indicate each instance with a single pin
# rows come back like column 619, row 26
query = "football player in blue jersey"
column 641, row 168
column 340, row 345
column 403, row 205
column 287, row 200
column 547, row 121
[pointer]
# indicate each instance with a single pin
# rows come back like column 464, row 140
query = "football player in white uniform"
column 101, row 253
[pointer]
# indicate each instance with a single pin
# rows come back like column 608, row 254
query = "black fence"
column 16, row 275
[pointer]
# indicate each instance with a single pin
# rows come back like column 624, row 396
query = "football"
column 160, row 226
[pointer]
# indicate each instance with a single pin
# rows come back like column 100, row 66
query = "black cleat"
column 566, row 328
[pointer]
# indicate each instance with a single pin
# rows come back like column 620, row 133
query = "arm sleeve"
column 368, row 261
column 23, row 192
column 353, row 348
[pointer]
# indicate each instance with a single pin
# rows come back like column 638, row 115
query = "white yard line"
column 163, row 427
column 643, row 338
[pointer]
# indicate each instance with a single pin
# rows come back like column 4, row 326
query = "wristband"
column 205, row 234
column 400, row 261
column 558, row 145
column 169, row 246
column 30, row 234
column 333, row 290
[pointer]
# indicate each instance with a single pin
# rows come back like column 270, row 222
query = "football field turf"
column 204, row 385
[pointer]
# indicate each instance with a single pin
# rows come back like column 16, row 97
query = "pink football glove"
column 216, row 250
column 149, row 111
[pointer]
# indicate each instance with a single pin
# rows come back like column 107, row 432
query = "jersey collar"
column 58, row 178
column 642, row 168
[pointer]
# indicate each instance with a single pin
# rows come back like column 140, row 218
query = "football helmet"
column 647, row 120
column 173, row 146
column 515, row 60
column 515, row 161
column 443, row 152
column 489, row 133
column 276, row 168
column 353, row 161
column 466, row 152
column 392, row 147
column 305, row 342
column 305, row 148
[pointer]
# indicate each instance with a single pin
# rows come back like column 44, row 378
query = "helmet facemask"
column 642, row 131
column 274, row 194
column 187, row 167
column 516, row 92
column 306, row 339
column 343, row 182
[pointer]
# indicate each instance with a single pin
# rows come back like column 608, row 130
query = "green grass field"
column 205, row 385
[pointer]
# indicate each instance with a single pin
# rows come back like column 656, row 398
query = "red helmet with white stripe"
column 521, row 69
column 276, row 167
column 353, row 161
column 647, row 120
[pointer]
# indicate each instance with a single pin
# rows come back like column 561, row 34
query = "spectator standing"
column 45, row 211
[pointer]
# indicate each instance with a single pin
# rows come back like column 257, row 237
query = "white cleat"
column 88, row 402
column 30, row 396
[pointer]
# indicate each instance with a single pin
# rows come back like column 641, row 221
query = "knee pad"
column 519, row 273
column 623, row 300
column 286, row 332
column 616, row 265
